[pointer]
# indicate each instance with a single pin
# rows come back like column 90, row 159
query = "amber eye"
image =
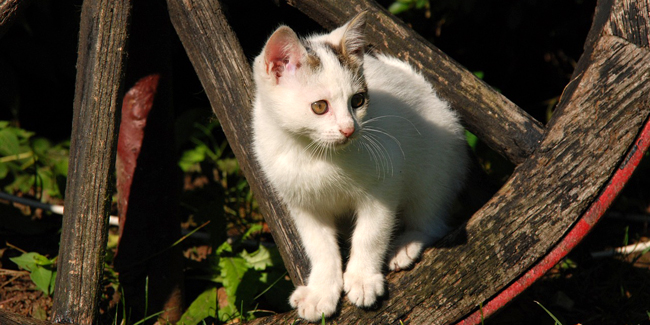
column 319, row 107
column 357, row 100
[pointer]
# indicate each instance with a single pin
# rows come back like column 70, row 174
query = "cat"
column 340, row 132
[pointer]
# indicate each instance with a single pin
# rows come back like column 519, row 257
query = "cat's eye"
column 357, row 100
column 319, row 107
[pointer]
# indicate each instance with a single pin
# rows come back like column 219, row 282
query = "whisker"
column 394, row 116
column 311, row 149
column 383, row 157
column 399, row 145
column 371, row 151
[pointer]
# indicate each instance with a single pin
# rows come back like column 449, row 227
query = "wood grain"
column 100, row 64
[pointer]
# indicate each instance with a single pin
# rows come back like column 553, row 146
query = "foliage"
column 244, row 270
column 248, row 276
column 202, row 307
column 401, row 6
column 28, row 162
column 42, row 270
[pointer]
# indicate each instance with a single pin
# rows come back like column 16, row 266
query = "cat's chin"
column 342, row 144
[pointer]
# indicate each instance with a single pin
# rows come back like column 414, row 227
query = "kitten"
column 339, row 133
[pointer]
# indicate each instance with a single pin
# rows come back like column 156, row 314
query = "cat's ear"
column 353, row 42
column 283, row 52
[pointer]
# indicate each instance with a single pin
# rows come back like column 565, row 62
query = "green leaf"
column 42, row 277
column 253, row 229
column 40, row 268
column 232, row 273
column 41, row 146
column 192, row 157
column 398, row 8
column 259, row 259
column 4, row 170
column 9, row 144
column 225, row 247
column 421, row 4
column 472, row 140
column 201, row 308
column 27, row 261
column 228, row 165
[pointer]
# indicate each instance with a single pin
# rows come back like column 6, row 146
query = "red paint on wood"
column 577, row 233
column 136, row 106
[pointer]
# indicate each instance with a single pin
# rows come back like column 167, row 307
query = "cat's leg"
column 423, row 225
column 323, row 290
column 363, row 280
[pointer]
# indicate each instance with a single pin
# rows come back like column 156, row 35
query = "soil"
column 18, row 294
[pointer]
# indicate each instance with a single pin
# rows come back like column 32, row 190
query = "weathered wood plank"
column 225, row 74
column 102, row 42
column 497, row 121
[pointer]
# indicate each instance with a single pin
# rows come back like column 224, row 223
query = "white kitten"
column 339, row 133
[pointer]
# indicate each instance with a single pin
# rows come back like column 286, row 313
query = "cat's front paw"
column 363, row 289
column 405, row 256
column 312, row 303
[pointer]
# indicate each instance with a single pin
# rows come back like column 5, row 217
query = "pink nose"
column 347, row 132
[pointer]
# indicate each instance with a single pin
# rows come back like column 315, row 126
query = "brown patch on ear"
column 353, row 42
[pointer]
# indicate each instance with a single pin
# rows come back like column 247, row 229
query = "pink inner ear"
column 282, row 53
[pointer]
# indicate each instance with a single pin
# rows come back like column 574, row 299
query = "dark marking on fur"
column 312, row 59
column 351, row 62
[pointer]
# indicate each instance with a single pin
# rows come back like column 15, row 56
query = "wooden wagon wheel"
column 555, row 195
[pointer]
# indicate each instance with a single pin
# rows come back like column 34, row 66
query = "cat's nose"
column 347, row 132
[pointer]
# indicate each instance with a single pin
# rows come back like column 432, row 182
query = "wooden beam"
column 100, row 66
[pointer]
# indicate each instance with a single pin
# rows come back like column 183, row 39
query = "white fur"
column 407, row 157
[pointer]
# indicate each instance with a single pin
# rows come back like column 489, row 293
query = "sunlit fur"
column 406, row 158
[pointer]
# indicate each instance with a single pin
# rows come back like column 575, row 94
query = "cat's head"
column 314, row 87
